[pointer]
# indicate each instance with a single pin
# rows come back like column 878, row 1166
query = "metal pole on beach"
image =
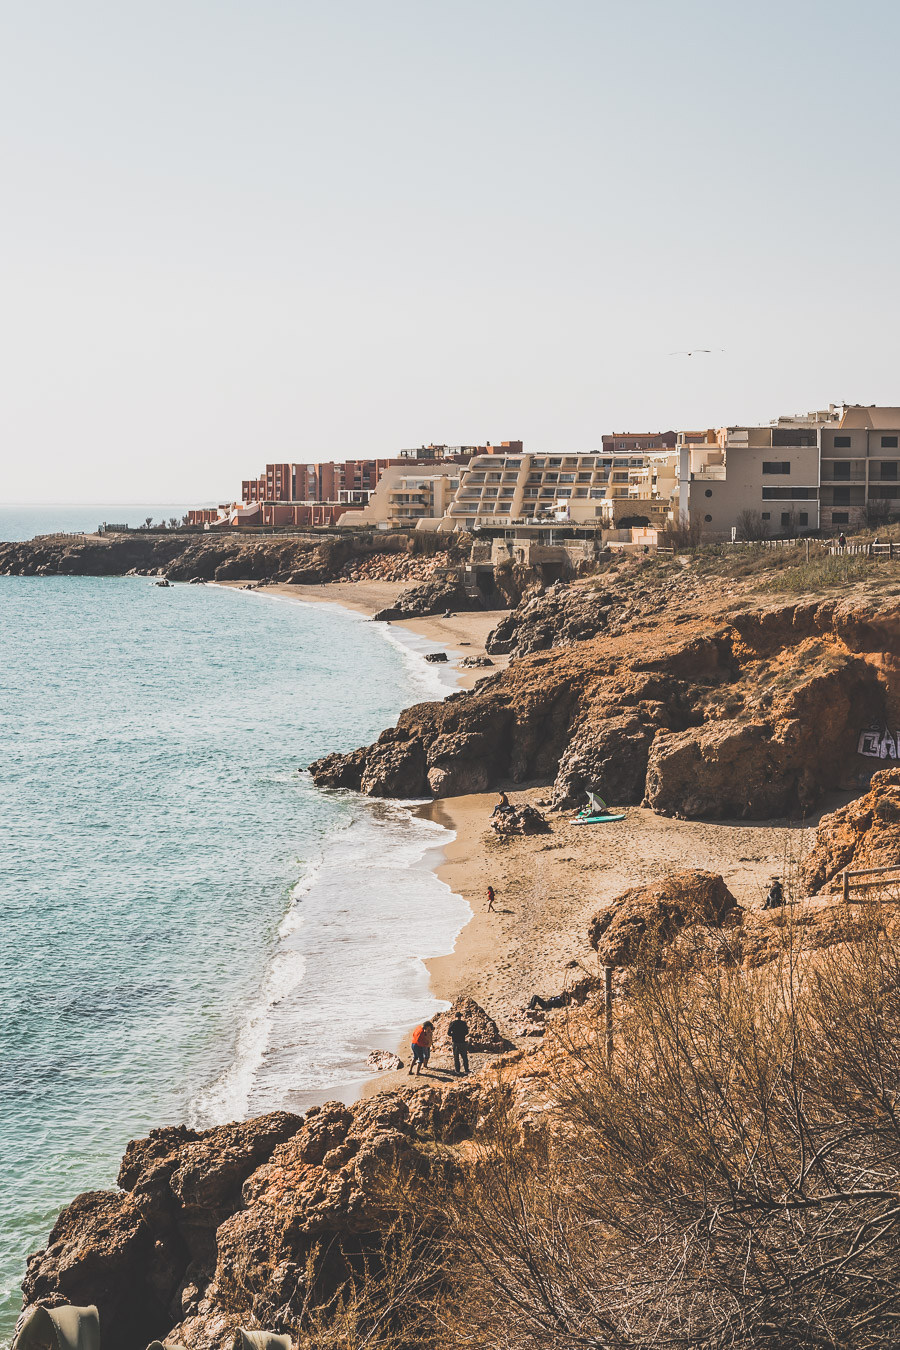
column 607, row 1011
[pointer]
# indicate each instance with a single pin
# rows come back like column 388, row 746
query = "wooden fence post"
column 607, row 1011
column 846, row 879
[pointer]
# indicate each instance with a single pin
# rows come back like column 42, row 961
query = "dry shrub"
column 730, row 1178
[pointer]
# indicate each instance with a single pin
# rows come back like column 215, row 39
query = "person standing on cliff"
column 458, row 1031
column 422, row 1039
column 490, row 899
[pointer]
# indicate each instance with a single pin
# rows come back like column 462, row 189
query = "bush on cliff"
column 730, row 1178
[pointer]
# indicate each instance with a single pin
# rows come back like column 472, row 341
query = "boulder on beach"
column 484, row 1034
column 645, row 918
column 383, row 1061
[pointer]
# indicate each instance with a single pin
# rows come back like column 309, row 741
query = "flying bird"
column 699, row 351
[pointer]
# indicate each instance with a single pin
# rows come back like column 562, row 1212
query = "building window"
column 776, row 466
column 708, row 492
column 889, row 470
column 567, row 478
column 840, row 468
column 554, row 463
column 802, row 517
column 889, row 442
column 707, row 519
column 584, row 478
column 841, row 496
column 840, row 517
column 842, row 442
column 785, row 518
column 766, row 515
column 793, row 494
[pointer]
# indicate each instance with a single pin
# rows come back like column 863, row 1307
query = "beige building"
column 836, row 468
column 595, row 489
column 405, row 499
column 860, row 460
column 742, row 477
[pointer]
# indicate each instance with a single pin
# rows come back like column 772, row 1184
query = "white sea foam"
column 347, row 974
column 347, row 971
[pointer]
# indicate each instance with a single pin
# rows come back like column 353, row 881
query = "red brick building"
column 628, row 442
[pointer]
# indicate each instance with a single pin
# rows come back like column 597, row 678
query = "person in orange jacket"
column 422, row 1039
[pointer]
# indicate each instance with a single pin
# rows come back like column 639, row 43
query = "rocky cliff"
column 698, row 704
column 181, row 557
column 248, row 1224
column 865, row 833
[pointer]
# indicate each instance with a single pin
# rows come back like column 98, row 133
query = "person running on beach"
column 422, row 1039
column 458, row 1030
column 490, row 899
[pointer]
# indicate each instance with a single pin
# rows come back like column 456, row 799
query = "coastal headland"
column 722, row 707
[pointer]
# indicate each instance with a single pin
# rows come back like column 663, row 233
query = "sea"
column 191, row 930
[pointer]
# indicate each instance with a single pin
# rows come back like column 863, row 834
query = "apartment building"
column 764, row 477
column 635, row 442
column 835, row 468
column 860, row 468
column 588, row 488
column 406, row 498
column 348, row 481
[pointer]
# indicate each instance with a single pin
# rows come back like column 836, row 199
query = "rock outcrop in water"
column 753, row 714
column 209, row 558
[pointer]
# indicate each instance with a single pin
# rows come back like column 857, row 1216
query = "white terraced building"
column 595, row 489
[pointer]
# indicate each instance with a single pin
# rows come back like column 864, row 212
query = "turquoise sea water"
column 190, row 929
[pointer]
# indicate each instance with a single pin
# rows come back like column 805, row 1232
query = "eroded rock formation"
column 752, row 714
column 213, row 1230
column 864, row 833
column 644, row 920
column 207, row 557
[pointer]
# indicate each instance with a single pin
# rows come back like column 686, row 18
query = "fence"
column 60, row 534
column 871, row 550
column 848, row 884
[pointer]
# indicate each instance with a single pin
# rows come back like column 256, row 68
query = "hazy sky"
column 233, row 232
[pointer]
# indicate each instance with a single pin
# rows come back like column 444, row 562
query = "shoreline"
column 464, row 634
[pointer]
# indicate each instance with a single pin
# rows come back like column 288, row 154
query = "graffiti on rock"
column 879, row 743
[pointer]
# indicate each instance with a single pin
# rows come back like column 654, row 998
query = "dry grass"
column 730, row 1178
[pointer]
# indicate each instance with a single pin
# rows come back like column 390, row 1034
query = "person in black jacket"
column 458, row 1030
